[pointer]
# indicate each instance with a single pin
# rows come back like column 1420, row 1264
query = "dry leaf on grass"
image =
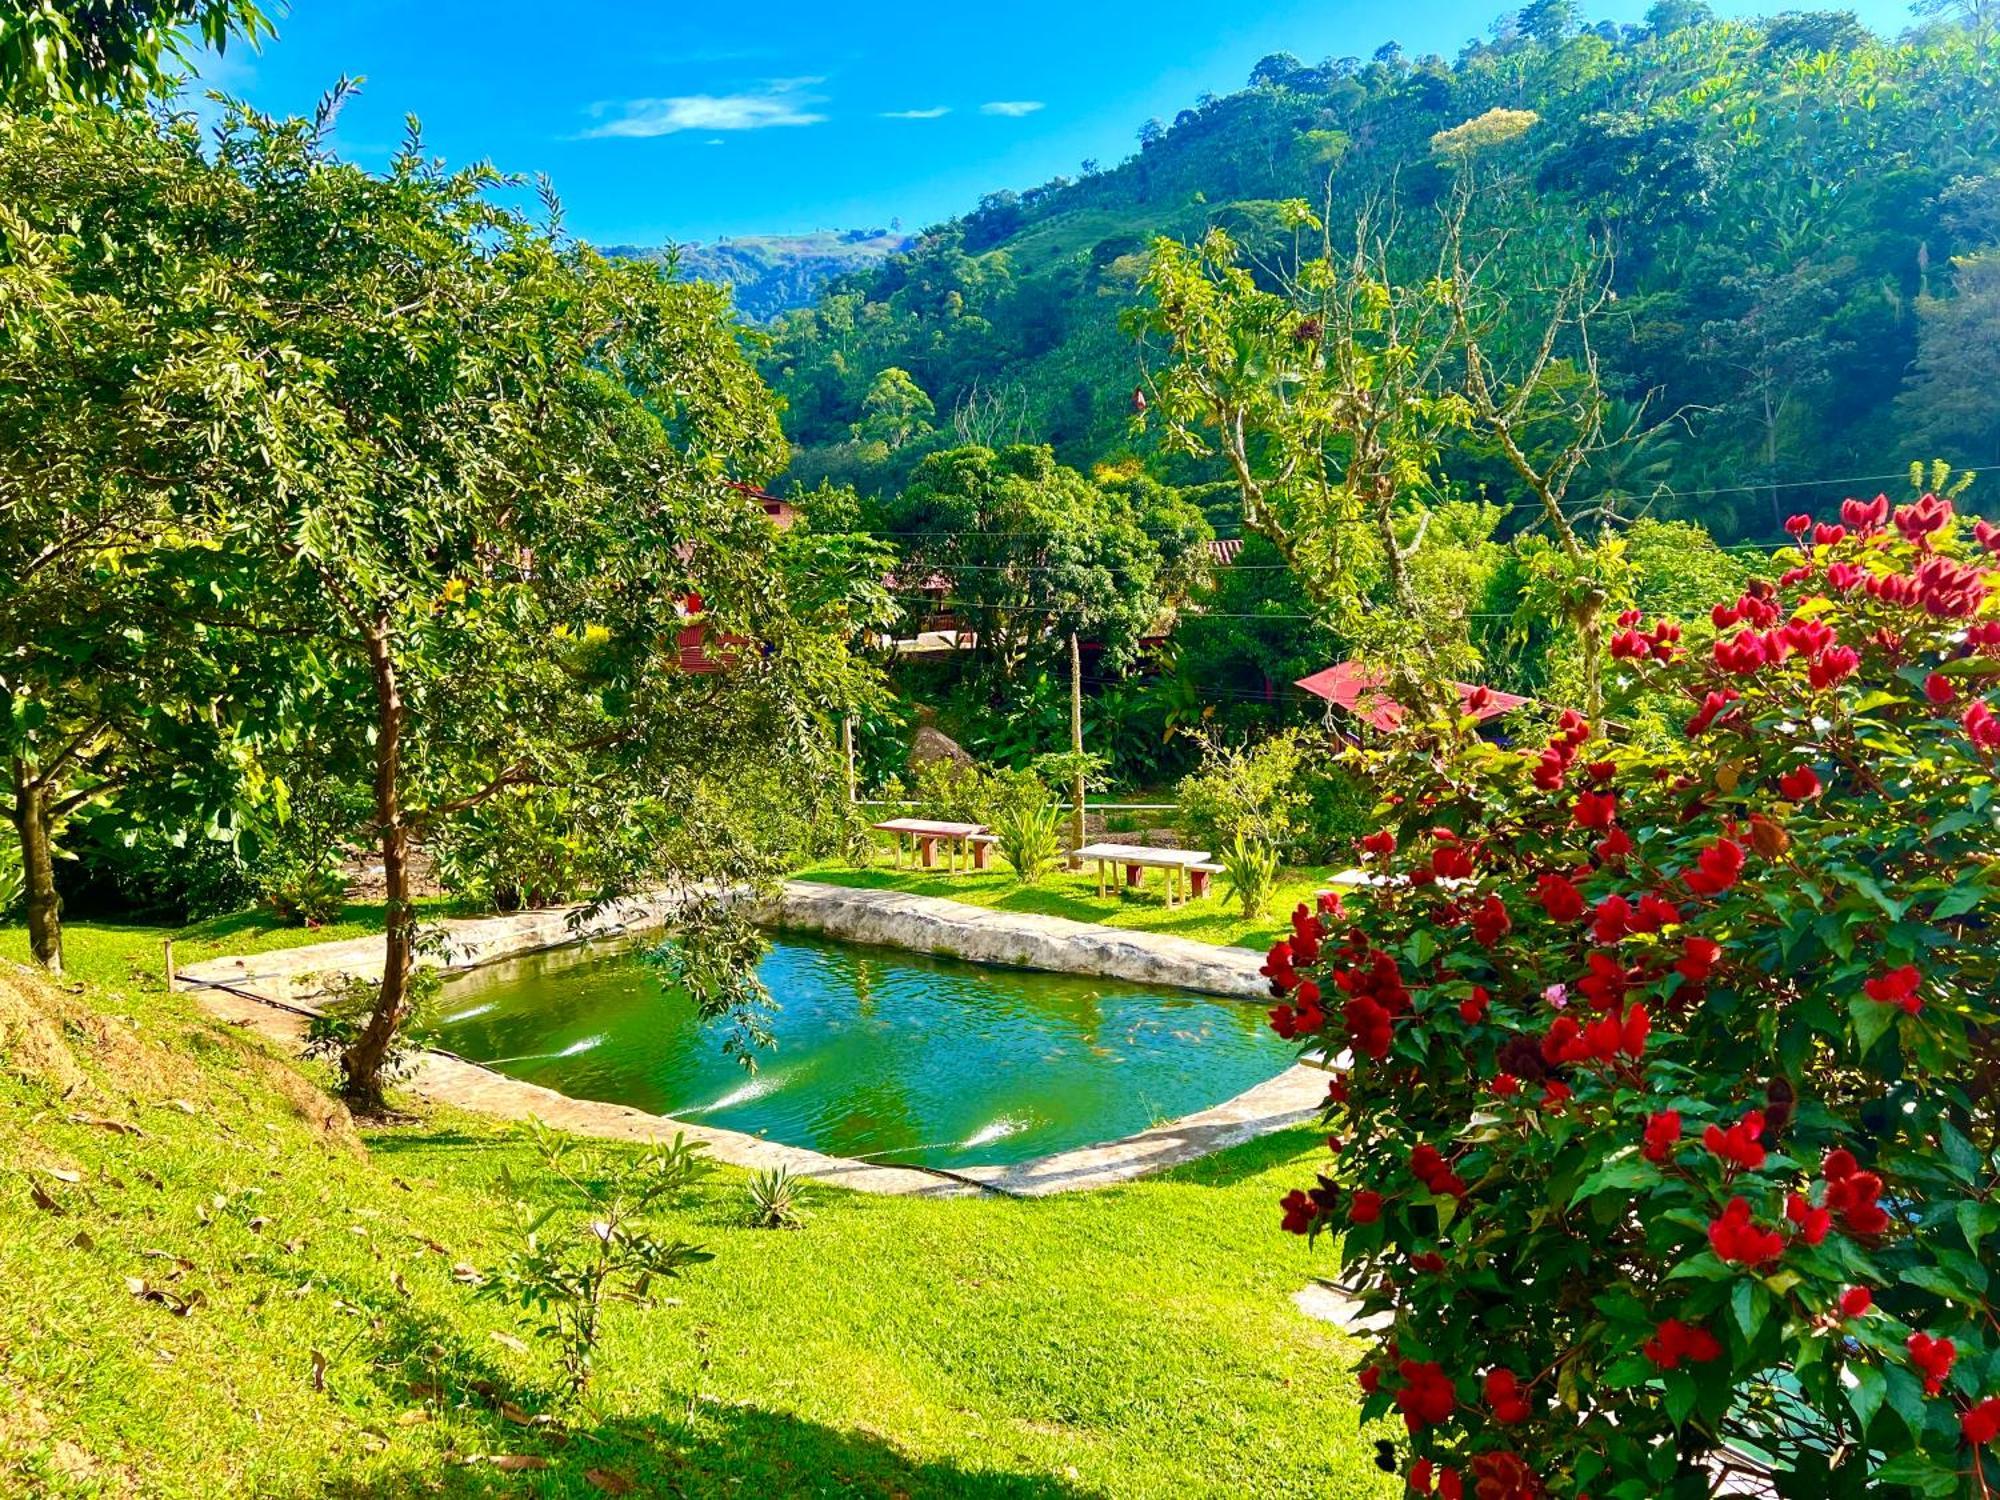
column 609, row 1481
column 318, row 1370
column 508, row 1341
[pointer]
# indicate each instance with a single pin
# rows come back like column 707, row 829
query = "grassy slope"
column 1215, row 919
column 1134, row 1342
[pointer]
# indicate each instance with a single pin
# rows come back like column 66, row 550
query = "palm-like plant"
column 1030, row 839
column 1251, row 869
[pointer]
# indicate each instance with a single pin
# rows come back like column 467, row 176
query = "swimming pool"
column 881, row 1054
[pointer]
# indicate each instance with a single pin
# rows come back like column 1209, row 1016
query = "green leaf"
column 1681, row 1395
column 1866, row 1394
column 1871, row 1019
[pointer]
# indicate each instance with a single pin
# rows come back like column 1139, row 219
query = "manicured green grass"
column 1139, row 1341
column 1217, row 918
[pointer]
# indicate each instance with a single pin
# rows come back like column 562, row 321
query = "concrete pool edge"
column 271, row 993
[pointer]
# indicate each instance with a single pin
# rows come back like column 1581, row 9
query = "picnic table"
column 1182, row 865
column 970, row 839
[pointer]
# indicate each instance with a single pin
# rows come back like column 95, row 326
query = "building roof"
column 1362, row 691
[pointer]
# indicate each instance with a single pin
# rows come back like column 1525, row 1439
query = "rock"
column 931, row 744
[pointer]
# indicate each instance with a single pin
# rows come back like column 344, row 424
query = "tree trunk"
column 363, row 1060
column 38, row 869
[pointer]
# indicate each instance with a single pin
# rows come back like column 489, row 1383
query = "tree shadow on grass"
column 735, row 1451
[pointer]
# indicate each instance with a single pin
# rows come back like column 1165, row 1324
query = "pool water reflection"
column 880, row 1053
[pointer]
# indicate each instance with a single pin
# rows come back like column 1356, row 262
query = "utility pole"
column 847, row 750
column 1076, row 744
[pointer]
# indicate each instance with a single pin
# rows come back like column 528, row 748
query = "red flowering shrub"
column 1670, row 1120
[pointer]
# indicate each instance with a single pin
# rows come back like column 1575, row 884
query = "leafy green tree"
column 1952, row 406
column 131, row 652
column 482, row 466
column 1034, row 552
column 895, row 412
column 69, row 51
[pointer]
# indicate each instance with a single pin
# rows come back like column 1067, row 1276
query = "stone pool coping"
column 272, row 993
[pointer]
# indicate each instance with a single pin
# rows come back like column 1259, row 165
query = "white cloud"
column 782, row 101
column 936, row 112
column 1013, row 109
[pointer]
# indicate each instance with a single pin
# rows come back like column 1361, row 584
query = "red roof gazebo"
column 1363, row 691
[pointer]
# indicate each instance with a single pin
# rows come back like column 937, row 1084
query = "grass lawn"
column 1215, row 919
column 1138, row 1341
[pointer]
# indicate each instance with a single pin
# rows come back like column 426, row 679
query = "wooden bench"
column 1199, row 877
column 1138, row 859
column 925, row 835
column 981, row 845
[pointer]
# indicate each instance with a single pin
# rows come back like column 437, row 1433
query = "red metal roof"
column 1360, row 690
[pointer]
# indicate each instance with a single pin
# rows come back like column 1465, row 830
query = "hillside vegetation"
column 1801, row 219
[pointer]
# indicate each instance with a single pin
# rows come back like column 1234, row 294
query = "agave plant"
column 1251, row 869
column 777, row 1199
column 1030, row 839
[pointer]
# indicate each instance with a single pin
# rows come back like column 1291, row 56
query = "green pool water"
column 880, row 1053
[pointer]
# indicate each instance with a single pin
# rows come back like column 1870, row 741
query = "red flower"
column 1833, row 667
column 1473, row 1006
column 1898, row 987
column 1738, row 1145
column 1981, row 727
column 1980, row 1424
column 1595, row 810
column 1370, row 1379
column 1866, row 518
column 1855, row 1301
column 1938, row 688
column 1698, row 959
column 1852, row 1193
column 1739, row 1240
column 1381, row 843
column 1813, row 1222
column 1504, row 1393
column 1364, row 1206
column 1490, row 922
column 1560, row 899
column 1299, row 1210
column 1611, row 920
column 1506, row 1084
column 1674, row 1341
column 1933, row 1359
column 1798, row 525
column 1718, row 867
column 1427, row 1396
column 1663, row 1135
column 1613, row 847
column 1654, row 913
column 1800, row 784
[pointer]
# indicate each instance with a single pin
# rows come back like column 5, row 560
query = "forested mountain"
column 1800, row 224
column 773, row 273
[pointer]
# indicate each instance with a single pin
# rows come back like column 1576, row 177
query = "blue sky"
column 661, row 122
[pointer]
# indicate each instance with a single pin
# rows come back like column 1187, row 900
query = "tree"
column 131, row 652
column 1152, row 133
column 485, row 464
column 1324, row 399
column 1664, row 17
column 895, row 412
column 1550, row 22
column 1952, row 406
column 72, row 51
column 1275, row 71
column 1033, row 552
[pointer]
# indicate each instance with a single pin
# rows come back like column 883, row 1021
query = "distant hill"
column 1806, row 221
column 774, row 273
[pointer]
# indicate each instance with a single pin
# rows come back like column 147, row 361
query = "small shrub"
column 1670, row 1128
column 777, row 1199
column 606, row 1252
column 1250, row 870
column 1250, row 793
column 1030, row 840
column 303, row 896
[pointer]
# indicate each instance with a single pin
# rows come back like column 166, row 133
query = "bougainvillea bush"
column 1669, row 1138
